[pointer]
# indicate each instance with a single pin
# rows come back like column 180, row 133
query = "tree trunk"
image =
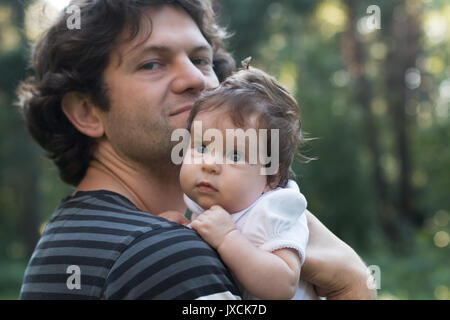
column 405, row 35
column 354, row 55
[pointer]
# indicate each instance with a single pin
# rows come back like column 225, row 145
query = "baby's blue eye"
column 202, row 149
column 235, row 156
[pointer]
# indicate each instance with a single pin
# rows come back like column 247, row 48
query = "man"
column 104, row 102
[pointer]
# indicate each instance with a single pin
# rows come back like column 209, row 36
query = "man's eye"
column 151, row 66
column 202, row 61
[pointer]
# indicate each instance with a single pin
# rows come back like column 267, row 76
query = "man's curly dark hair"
column 65, row 60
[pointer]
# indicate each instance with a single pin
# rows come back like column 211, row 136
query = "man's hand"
column 174, row 216
column 214, row 225
column 332, row 266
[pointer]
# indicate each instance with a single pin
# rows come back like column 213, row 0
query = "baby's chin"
column 206, row 203
column 231, row 210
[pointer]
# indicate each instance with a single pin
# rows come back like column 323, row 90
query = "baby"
column 254, row 217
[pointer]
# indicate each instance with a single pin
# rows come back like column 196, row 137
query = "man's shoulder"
column 111, row 219
column 168, row 263
column 122, row 253
column 158, row 259
column 105, row 212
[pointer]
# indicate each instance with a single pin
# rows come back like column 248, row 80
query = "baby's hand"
column 214, row 225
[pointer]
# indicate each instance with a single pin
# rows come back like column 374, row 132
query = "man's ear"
column 82, row 113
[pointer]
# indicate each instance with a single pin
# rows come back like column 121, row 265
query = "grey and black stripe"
column 122, row 253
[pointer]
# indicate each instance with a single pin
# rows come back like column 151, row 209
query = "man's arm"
column 332, row 266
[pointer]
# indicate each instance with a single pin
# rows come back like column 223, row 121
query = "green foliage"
column 301, row 42
column 11, row 275
column 419, row 273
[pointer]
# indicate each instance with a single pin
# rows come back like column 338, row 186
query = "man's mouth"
column 206, row 187
column 184, row 109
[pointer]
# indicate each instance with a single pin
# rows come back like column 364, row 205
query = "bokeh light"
column 39, row 16
column 442, row 293
column 413, row 78
column 435, row 26
column 441, row 239
column 9, row 35
column 58, row 4
column 332, row 18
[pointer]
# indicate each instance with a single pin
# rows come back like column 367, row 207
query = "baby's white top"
column 276, row 220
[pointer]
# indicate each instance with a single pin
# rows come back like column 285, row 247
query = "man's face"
column 153, row 84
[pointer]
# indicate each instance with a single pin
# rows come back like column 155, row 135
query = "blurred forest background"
column 376, row 100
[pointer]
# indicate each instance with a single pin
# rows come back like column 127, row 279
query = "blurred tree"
column 402, row 75
column 249, row 21
column 356, row 59
column 20, row 157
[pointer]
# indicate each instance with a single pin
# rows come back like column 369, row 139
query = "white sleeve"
column 278, row 221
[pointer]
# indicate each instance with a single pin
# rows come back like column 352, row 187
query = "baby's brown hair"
column 250, row 92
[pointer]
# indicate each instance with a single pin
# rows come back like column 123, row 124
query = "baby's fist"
column 214, row 225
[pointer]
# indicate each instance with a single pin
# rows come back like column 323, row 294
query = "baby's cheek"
column 235, row 201
column 187, row 179
column 241, row 197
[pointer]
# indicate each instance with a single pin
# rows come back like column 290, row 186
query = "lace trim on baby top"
column 277, row 244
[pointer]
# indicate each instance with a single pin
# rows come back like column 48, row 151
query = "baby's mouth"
column 206, row 187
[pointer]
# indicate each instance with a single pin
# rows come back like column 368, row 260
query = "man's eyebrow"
column 149, row 49
column 167, row 50
column 202, row 48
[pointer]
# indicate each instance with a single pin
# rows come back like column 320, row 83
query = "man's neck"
column 148, row 189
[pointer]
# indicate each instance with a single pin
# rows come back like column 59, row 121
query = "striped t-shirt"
column 98, row 245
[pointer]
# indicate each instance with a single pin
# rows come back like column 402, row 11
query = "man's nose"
column 188, row 77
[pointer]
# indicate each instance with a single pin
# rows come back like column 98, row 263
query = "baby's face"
column 226, row 179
